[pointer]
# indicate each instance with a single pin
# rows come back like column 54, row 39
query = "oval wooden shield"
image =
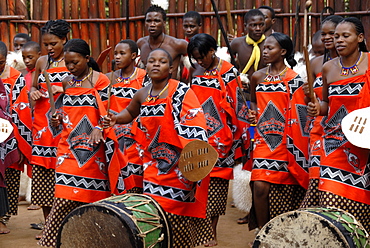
column 6, row 128
column 356, row 128
column 197, row 159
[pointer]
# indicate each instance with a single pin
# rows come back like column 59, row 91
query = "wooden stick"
column 110, row 90
column 50, row 92
column 305, row 51
column 229, row 19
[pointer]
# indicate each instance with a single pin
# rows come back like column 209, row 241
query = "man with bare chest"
column 155, row 20
column 248, row 48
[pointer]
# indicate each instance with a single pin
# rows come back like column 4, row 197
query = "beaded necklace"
column 55, row 63
column 78, row 82
column 353, row 69
column 213, row 71
column 270, row 78
column 126, row 80
column 150, row 97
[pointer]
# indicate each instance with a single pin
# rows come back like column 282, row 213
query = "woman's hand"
column 109, row 120
column 313, row 108
column 56, row 120
column 56, row 89
column 35, row 94
column 96, row 135
column 252, row 116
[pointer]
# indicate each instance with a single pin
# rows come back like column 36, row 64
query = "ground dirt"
column 230, row 234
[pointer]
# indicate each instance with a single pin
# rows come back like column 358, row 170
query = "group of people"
column 123, row 132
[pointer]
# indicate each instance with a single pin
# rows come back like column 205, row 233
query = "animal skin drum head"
column 6, row 128
column 313, row 227
column 197, row 159
column 355, row 127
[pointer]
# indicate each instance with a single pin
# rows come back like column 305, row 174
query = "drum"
column 129, row 220
column 313, row 227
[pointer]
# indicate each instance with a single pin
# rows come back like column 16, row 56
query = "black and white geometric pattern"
column 58, row 105
column 342, row 176
column 229, row 75
column 82, row 182
column 7, row 147
column 350, row 89
column 318, row 82
column 44, row 151
column 166, row 155
column 148, row 111
column 299, row 156
column 295, row 84
column 54, row 77
column 131, row 169
column 80, row 101
column 214, row 122
column 270, row 164
column 314, row 161
column 119, row 92
column 79, row 144
column 170, row 192
column 187, row 132
column 241, row 107
column 302, row 119
column 333, row 135
column 277, row 87
column 271, row 126
column 206, row 82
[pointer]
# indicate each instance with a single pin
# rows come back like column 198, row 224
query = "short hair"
column 80, row 46
column 252, row 13
column 286, row 43
column 59, row 28
column 132, row 44
column 316, row 36
column 203, row 43
column 23, row 36
column 3, row 49
column 195, row 15
column 268, row 8
column 32, row 45
column 156, row 8
column 168, row 54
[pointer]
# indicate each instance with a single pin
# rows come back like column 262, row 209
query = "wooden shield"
column 6, row 128
column 197, row 159
column 356, row 127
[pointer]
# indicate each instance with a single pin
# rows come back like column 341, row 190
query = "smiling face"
column 30, row 57
column 272, row 52
column 158, row 66
column 346, row 39
column 327, row 34
column 190, row 27
column 54, row 45
column 154, row 23
column 123, row 55
column 255, row 27
column 76, row 64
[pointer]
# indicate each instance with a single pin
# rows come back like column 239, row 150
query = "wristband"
column 99, row 128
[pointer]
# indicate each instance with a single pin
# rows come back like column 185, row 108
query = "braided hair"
column 81, row 47
column 359, row 30
column 59, row 28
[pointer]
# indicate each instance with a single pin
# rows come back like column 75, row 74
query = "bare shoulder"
column 42, row 61
column 142, row 41
column 259, row 75
column 238, row 40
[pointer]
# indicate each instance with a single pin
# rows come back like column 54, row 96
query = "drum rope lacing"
column 144, row 220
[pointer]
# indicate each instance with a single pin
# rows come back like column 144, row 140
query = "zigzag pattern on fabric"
column 44, row 151
column 206, row 82
column 170, row 192
column 109, row 150
column 314, row 161
column 297, row 153
column 81, row 100
column 157, row 110
column 81, row 182
column 269, row 164
column 24, row 131
column 342, row 176
column 187, row 132
column 318, row 82
column 19, row 84
column 229, row 161
column 54, row 77
column 9, row 146
column 294, row 84
column 348, row 89
column 132, row 169
column 124, row 92
column 229, row 76
column 280, row 87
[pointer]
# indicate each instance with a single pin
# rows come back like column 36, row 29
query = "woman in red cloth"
column 214, row 81
column 81, row 156
column 127, row 80
column 170, row 116
column 281, row 142
column 19, row 109
column 46, row 137
column 316, row 125
column 344, row 168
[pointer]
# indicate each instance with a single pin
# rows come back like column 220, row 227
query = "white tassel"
column 241, row 190
column 162, row 3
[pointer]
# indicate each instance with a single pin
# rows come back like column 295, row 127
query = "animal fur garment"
column 241, row 190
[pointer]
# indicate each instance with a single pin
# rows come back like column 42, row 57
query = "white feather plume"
column 162, row 3
column 15, row 60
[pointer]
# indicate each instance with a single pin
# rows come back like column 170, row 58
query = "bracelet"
column 99, row 127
